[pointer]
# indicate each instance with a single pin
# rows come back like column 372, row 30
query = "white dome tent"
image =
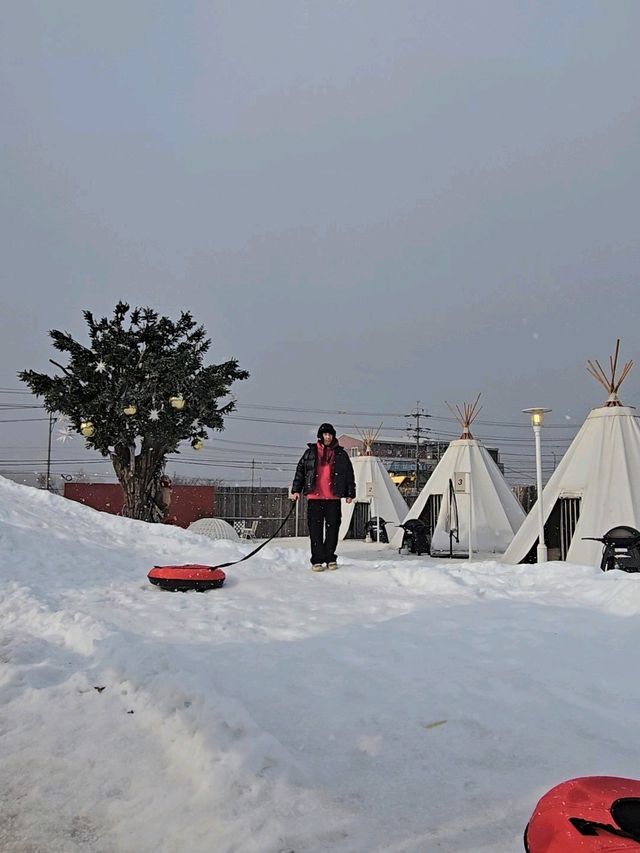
column 214, row 528
column 595, row 487
column 466, row 503
column 375, row 489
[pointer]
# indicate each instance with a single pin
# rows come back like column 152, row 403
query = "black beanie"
column 326, row 428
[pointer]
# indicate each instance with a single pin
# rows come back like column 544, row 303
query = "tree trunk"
column 139, row 477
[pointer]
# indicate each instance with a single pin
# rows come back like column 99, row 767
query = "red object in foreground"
column 593, row 813
column 183, row 578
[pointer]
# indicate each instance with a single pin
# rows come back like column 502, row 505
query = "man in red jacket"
column 325, row 475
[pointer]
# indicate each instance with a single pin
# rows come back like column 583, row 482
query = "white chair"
column 244, row 530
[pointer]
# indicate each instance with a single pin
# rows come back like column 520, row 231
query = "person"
column 165, row 493
column 325, row 475
column 162, row 500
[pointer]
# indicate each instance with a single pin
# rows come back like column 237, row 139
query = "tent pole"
column 373, row 515
column 450, row 497
column 470, row 516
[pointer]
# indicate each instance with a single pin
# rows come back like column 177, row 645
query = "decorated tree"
column 136, row 393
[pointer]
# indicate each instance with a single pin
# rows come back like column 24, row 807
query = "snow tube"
column 183, row 578
column 593, row 813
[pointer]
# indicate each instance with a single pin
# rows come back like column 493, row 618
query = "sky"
column 369, row 204
column 397, row 705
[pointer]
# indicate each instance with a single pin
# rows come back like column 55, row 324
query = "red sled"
column 593, row 813
column 184, row 578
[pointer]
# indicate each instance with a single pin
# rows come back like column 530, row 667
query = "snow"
column 400, row 705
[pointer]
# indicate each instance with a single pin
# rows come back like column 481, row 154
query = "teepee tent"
column 595, row 487
column 466, row 503
column 376, row 493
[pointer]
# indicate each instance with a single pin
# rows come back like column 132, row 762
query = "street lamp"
column 537, row 419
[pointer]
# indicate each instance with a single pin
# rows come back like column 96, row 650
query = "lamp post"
column 537, row 419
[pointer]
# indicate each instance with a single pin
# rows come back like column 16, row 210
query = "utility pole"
column 416, row 432
column 52, row 421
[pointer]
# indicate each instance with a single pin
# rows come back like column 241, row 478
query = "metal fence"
column 269, row 506
column 266, row 505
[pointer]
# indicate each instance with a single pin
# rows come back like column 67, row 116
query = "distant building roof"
column 387, row 440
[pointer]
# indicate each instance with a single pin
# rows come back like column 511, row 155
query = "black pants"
column 323, row 520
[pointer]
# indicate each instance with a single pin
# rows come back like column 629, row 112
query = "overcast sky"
column 367, row 203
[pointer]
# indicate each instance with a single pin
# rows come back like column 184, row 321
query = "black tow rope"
column 255, row 550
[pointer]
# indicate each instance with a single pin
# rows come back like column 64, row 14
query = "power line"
column 447, row 418
column 13, row 406
column 21, row 420
column 317, row 411
column 302, row 410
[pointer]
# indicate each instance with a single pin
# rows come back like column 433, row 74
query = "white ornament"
column 101, row 366
column 65, row 434
column 154, row 415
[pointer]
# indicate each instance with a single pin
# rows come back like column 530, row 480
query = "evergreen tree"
column 136, row 392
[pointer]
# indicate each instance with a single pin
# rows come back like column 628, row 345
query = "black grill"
column 620, row 549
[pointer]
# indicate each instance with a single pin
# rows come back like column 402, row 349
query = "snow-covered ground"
column 399, row 705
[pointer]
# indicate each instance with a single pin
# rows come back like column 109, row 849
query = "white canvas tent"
column 479, row 504
column 595, row 487
column 374, row 487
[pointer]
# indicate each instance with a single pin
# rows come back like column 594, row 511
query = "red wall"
column 188, row 503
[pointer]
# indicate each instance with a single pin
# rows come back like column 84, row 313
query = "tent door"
column 559, row 529
column 569, row 515
column 431, row 512
column 361, row 513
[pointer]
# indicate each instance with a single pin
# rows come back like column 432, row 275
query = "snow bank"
column 395, row 705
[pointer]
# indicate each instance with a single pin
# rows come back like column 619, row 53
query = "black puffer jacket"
column 343, row 482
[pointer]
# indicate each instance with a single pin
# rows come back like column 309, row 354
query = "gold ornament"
column 197, row 444
column 87, row 429
column 177, row 402
column 131, row 409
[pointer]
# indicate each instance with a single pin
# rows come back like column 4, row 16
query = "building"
column 399, row 458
